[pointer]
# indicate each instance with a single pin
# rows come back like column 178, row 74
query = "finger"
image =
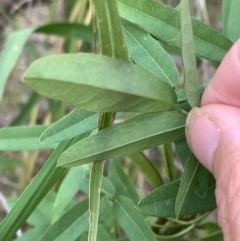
column 213, row 133
column 224, row 87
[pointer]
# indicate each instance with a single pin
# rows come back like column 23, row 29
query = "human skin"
column 213, row 134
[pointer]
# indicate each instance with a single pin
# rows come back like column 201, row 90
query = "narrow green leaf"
column 201, row 184
column 42, row 214
column 22, row 138
column 161, row 201
column 113, row 142
column 231, row 20
column 75, row 123
column 32, row 234
column 68, row 31
column 189, row 177
column 131, row 221
column 191, row 80
column 26, row 110
column 78, row 179
column 103, row 234
column 34, row 193
column 10, row 55
column 163, row 22
column 108, row 187
column 73, row 223
column 130, row 89
column 147, row 168
column 149, row 54
column 122, row 182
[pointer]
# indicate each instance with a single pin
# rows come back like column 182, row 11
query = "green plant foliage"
column 22, row 138
column 123, row 184
column 9, row 56
column 146, row 167
column 200, row 187
column 161, row 201
column 149, row 54
column 163, row 22
column 191, row 172
column 67, row 30
column 132, row 221
column 162, row 128
column 86, row 88
column 75, row 123
column 78, row 179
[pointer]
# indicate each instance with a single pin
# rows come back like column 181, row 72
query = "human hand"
column 213, row 134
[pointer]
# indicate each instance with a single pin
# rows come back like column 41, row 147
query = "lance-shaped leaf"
column 189, row 177
column 131, row 221
column 161, row 201
column 163, row 22
column 149, row 54
column 99, row 83
column 78, row 179
column 22, row 138
column 123, row 184
column 73, row 223
column 201, row 184
column 67, row 30
column 134, row 135
column 75, row 123
column 147, row 168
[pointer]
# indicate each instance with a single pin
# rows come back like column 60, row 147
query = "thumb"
column 213, row 134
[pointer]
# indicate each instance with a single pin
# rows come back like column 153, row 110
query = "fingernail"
column 203, row 136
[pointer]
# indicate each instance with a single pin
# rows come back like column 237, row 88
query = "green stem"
column 181, row 233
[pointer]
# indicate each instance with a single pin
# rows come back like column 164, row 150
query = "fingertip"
column 224, row 87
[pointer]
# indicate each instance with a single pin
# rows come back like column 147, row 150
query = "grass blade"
column 32, row 196
column 23, row 138
column 13, row 49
